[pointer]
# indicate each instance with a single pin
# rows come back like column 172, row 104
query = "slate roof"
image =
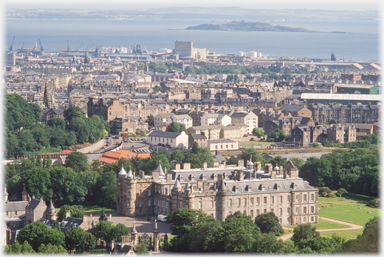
column 292, row 108
column 15, row 206
column 239, row 114
column 198, row 136
column 159, row 133
column 33, row 203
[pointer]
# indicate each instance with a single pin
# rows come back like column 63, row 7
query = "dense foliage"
column 269, row 223
column 108, row 231
column 196, row 156
column 25, row 134
column 276, row 135
column 357, row 171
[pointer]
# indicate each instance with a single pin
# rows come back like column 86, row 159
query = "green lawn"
column 348, row 234
column 348, row 210
column 325, row 224
column 94, row 209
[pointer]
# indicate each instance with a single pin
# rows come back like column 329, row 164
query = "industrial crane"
column 41, row 46
column 10, row 48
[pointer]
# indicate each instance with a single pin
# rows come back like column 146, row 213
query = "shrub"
column 325, row 191
column 341, row 192
column 374, row 203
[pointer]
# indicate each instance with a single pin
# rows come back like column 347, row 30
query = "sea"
column 346, row 41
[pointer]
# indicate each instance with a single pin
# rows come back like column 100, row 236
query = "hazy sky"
column 270, row 4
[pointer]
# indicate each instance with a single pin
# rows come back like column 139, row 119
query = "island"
column 247, row 26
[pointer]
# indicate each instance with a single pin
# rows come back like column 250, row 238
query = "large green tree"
column 77, row 161
column 76, row 239
column 38, row 233
column 304, row 232
column 17, row 248
column 269, row 223
column 276, row 135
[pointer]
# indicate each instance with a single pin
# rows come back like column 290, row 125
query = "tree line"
column 25, row 134
column 198, row 232
column 37, row 237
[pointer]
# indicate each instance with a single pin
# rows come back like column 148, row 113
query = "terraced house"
column 220, row 191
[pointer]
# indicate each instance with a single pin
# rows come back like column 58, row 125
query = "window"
column 252, row 213
column 280, row 199
column 200, row 204
column 272, row 199
column 265, row 211
column 149, row 192
column 304, row 219
column 305, row 198
column 129, row 194
column 305, row 210
column 149, row 203
column 139, row 192
column 312, row 218
column 297, row 210
column 297, row 198
column 258, row 200
column 166, row 191
column 140, row 203
column 230, row 202
column 281, row 211
column 265, row 199
column 312, row 209
column 211, row 204
column 238, row 201
column 252, row 201
column 288, row 198
column 245, row 201
column 313, row 197
column 181, row 205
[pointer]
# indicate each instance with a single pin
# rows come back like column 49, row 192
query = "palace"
column 220, row 191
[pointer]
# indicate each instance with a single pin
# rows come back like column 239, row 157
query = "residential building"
column 222, row 144
column 215, row 119
column 343, row 134
column 250, row 119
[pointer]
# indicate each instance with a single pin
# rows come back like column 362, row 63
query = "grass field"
column 348, row 234
column 94, row 209
column 325, row 224
column 348, row 210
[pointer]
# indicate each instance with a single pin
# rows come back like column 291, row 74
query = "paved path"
column 352, row 226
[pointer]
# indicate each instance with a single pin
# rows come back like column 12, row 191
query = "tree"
column 277, row 161
column 77, row 239
column 141, row 249
column 195, row 148
column 18, row 248
column 297, row 162
column 76, row 211
column 202, row 237
column 108, row 231
column 368, row 242
column 150, row 120
column 38, row 233
column 51, row 249
column 269, row 223
column 73, row 112
column 315, row 145
column 120, row 230
column 67, row 186
column 106, row 195
column 57, row 123
column 276, row 135
column 246, row 156
column 37, row 180
column 259, row 132
column 183, row 219
column 174, row 127
column 238, row 233
column 332, row 121
column 77, row 161
column 304, row 231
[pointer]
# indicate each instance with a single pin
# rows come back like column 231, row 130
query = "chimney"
column 177, row 166
column 169, row 177
column 205, row 165
column 67, row 213
column 187, row 166
column 215, row 164
column 268, row 168
column 141, row 173
column 240, row 163
column 257, row 166
column 155, row 175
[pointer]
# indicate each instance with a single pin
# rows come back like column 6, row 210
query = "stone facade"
column 220, row 191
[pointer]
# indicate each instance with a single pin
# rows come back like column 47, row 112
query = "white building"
column 222, row 144
column 181, row 119
column 250, row 119
column 173, row 139
column 215, row 119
